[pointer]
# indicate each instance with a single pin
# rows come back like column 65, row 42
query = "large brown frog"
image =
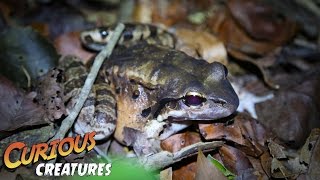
column 147, row 92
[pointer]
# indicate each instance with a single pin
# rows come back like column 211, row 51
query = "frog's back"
column 146, row 59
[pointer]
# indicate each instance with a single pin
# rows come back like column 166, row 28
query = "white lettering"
column 108, row 168
column 38, row 169
column 100, row 169
column 74, row 167
column 82, row 167
column 48, row 169
column 65, row 170
column 57, row 169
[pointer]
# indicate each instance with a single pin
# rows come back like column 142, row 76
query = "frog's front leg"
column 98, row 113
column 99, row 110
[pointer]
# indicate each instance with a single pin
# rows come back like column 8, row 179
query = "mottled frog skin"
column 96, row 39
column 99, row 111
column 142, row 84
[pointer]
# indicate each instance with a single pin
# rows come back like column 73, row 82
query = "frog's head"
column 205, row 94
column 96, row 39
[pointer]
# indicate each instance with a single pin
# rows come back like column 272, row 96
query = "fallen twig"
column 165, row 158
column 105, row 53
column 310, row 5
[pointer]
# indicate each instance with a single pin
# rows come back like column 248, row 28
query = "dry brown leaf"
column 261, row 63
column 287, row 169
column 265, row 160
column 254, row 134
column 258, row 169
column 168, row 12
column 276, row 150
column 42, row 28
column 178, row 141
column 201, row 43
column 234, row 159
column 17, row 109
column 50, row 94
column 308, row 148
column 166, row 174
column 142, row 11
column 174, row 143
column 239, row 28
column 290, row 116
column 221, row 131
column 70, row 44
column 314, row 166
column 261, row 22
column 186, row 171
column 245, row 131
column 206, row 170
column 278, row 170
column 250, row 174
column 235, row 37
column 285, row 163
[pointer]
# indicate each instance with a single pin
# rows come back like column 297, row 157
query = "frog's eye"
column 193, row 99
column 104, row 33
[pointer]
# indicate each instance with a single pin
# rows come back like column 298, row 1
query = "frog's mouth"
column 90, row 44
column 193, row 107
column 93, row 40
column 179, row 119
column 180, row 113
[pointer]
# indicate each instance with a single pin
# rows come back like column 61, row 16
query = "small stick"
column 165, row 158
column 310, row 5
column 105, row 53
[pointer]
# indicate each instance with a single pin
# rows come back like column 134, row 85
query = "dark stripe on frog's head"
column 153, row 31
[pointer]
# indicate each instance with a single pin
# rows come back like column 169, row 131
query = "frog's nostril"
column 219, row 101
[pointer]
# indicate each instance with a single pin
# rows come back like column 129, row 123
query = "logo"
column 50, row 151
